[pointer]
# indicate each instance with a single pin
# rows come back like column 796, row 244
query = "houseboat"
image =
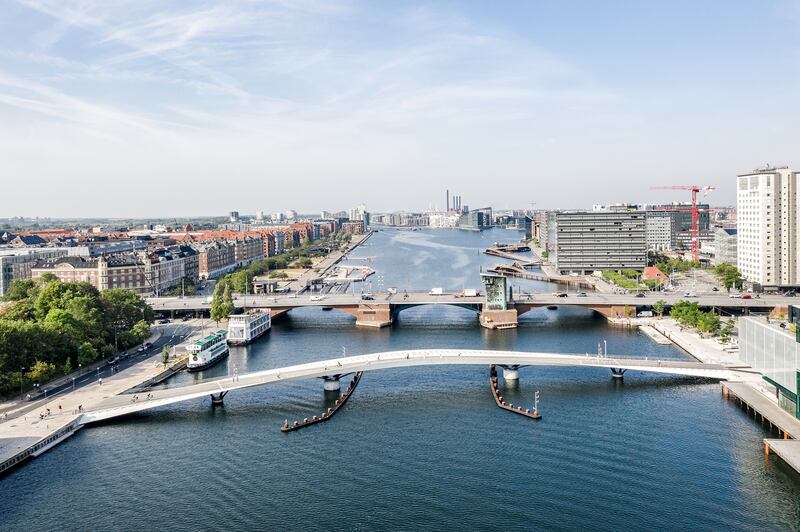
column 244, row 328
column 207, row 351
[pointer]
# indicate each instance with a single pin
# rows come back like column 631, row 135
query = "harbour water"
column 422, row 448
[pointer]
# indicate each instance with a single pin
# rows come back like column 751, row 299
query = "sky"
column 139, row 108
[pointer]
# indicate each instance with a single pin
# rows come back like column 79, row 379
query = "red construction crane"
column 695, row 214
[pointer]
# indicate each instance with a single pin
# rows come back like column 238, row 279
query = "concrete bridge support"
column 511, row 372
column 331, row 383
column 217, row 399
column 374, row 315
column 499, row 319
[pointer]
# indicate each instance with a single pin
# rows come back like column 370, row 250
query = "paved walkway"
column 703, row 349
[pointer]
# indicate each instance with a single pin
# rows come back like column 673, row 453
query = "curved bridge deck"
column 122, row 404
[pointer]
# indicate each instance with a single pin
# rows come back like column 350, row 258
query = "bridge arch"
column 122, row 405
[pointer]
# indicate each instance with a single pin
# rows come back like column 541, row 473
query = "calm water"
column 421, row 448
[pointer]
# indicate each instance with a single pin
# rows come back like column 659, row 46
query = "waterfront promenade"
column 21, row 429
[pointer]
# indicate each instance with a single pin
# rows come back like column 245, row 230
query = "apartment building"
column 768, row 220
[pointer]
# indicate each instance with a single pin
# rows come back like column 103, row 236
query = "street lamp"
column 21, row 369
column 73, row 384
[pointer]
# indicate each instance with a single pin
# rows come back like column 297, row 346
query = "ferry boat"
column 244, row 328
column 207, row 351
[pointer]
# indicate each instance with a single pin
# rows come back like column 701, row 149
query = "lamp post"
column 21, row 369
column 73, row 384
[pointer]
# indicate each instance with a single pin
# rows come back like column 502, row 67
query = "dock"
column 329, row 413
column 655, row 334
column 787, row 446
column 786, row 450
column 505, row 252
column 498, row 399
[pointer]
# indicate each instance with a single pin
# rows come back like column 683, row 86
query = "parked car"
column 367, row 297
column 747, row 296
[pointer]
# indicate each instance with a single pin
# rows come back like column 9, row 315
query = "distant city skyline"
column 163, row 109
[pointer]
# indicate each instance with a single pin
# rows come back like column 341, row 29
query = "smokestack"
column 448, row 201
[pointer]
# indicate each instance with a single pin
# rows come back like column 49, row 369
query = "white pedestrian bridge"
column 120, row 405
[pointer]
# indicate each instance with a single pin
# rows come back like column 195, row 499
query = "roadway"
column 126, row 404
column 283, row 301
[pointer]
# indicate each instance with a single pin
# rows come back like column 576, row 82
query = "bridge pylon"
column 618, row 373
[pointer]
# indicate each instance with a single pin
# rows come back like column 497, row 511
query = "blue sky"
column 155, row 108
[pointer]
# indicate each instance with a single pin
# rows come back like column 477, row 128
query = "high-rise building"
column 233, row 216
column 768, row 218
column 589, row 241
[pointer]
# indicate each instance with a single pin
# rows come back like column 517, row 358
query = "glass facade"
column 771, row 350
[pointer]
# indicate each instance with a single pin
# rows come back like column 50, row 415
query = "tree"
column 729, row 276
column 41, row 371
column 165, row 355
column 20, row 289
column 227, row 301
column 659, row 307
column 304, row 262
column 87, row 354
column 217, row 310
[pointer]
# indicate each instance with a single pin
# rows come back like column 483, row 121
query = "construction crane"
column 695, row 213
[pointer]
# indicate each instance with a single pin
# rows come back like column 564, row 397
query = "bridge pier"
column 374, row 315
column 331, row 383
column 618, row 373
column 511, row 372
column 499, row 319
column 217, row 399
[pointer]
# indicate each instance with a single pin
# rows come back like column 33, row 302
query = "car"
column 292, row 295
column 714, row 289
column 148, row 345
column 747, row 296
column 186, row 318
column 582, row 294
column 141, row 348
column 735, row 296
column 367, row 297
column 113, row 361
column 392, row 290
column 560, row 294
column 317, row 298
column 163, row 320
column 639, row 294
column 690, row 294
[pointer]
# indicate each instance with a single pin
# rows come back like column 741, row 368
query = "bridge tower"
column 495, row 313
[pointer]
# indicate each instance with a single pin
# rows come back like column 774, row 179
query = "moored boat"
column 207, row 351
column 245, row 328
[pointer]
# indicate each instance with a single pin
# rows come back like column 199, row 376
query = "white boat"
column 207, row 351
column 244, row 328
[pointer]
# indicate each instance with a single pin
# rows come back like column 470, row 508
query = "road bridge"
column 384, row 307
column 121, row 405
